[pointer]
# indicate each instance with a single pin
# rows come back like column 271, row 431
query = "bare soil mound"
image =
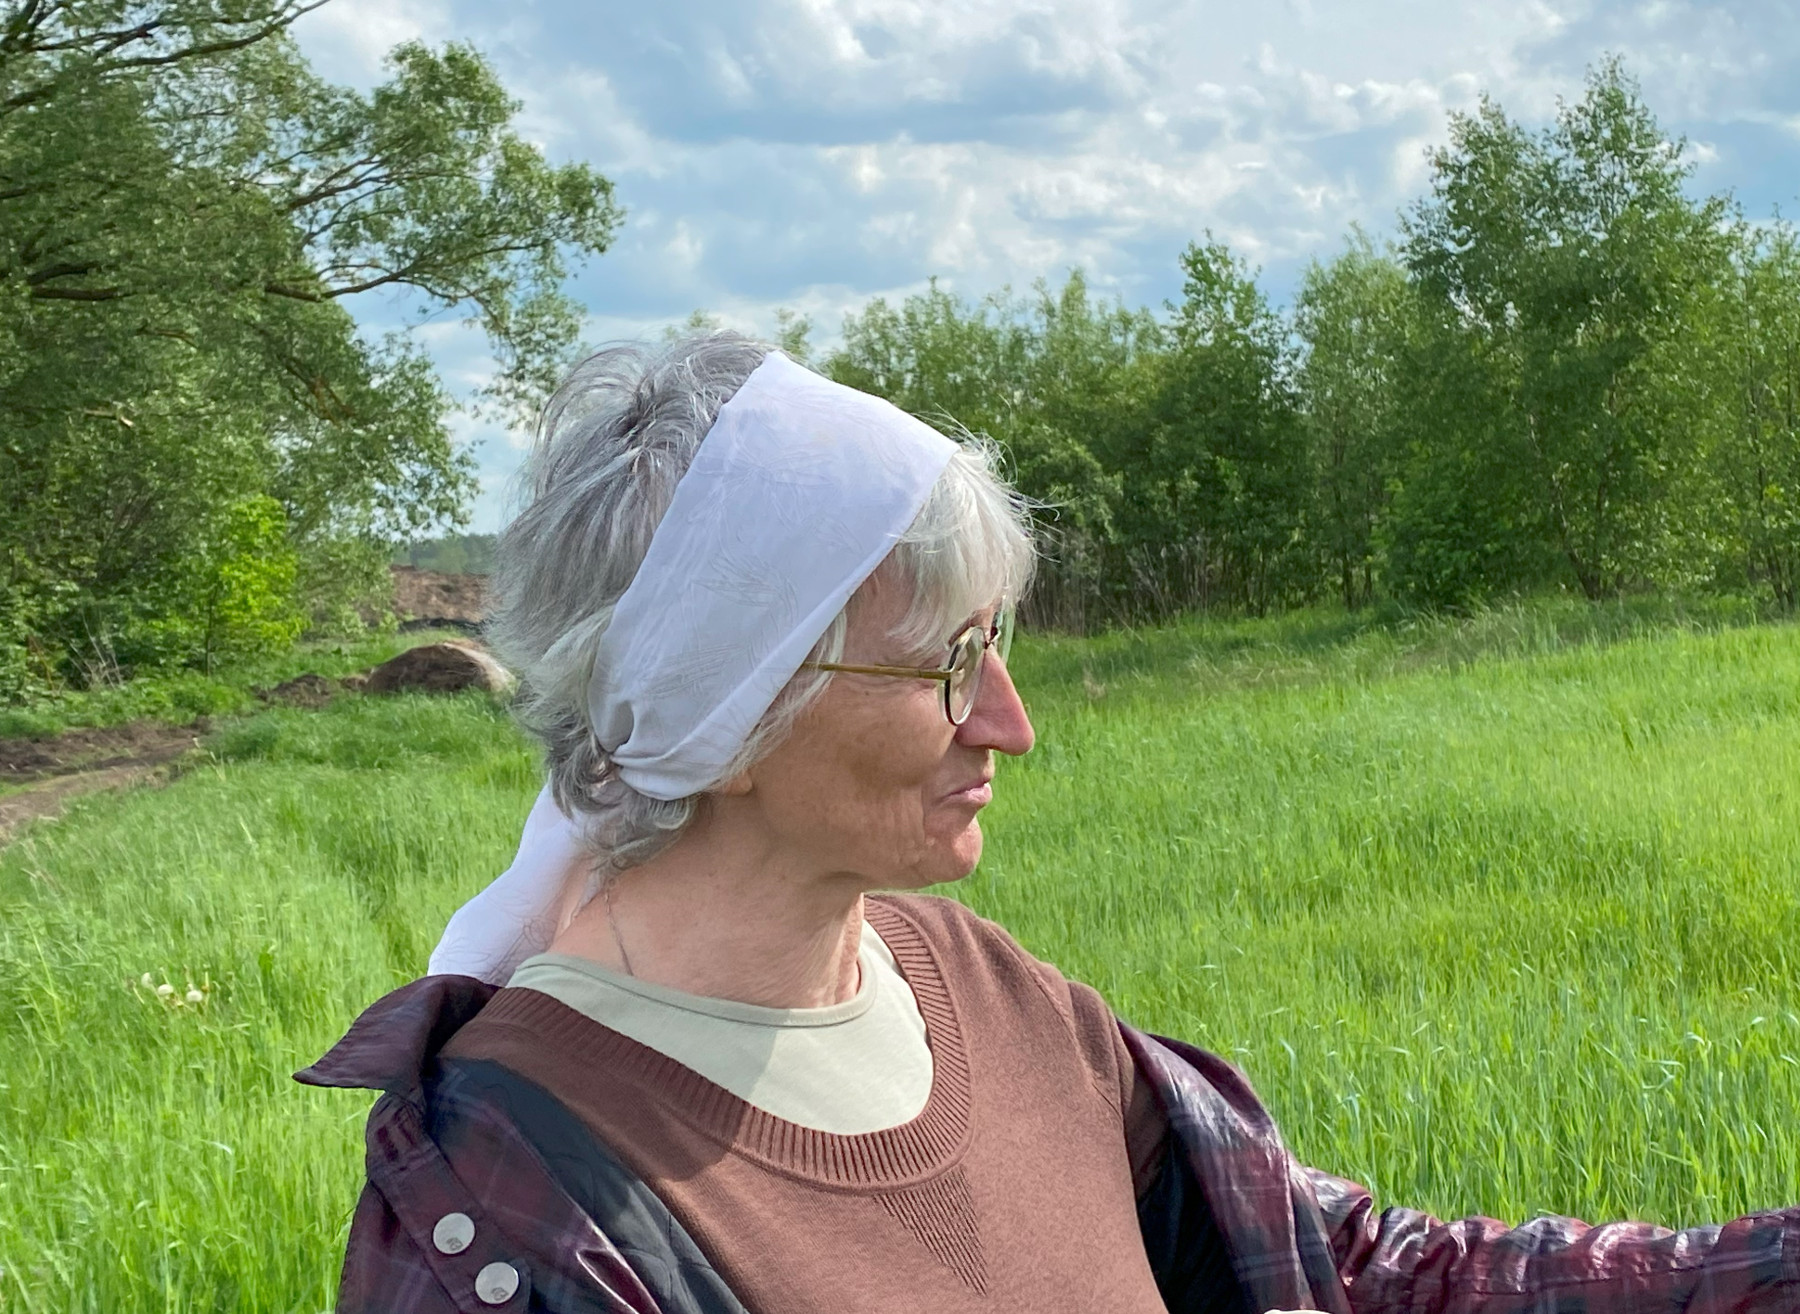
column 427, row 598
column 440, row 668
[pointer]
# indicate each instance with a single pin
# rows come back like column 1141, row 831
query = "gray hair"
column 612, row 443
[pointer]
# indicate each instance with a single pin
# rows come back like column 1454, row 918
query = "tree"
column 1570, row 263
column 1354, row 318
column 792, row 331
column 241, row 596
column 1047, row 378
column 991, row 369
column 1166, row 460
column 1757, row 460
column 1216, row 481
column 185, row 212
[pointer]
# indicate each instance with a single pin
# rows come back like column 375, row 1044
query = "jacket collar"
column 392, row 1045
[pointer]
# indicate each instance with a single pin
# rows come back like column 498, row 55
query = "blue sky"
column 812, row 154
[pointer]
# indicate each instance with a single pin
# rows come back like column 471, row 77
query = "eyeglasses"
column 961, row 674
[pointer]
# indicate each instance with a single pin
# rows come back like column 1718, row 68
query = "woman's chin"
column 948, row 859
column 963, row 853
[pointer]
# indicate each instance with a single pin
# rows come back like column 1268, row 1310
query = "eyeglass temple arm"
column 917, row 671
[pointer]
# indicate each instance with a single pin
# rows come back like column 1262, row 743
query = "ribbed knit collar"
column 890, row 1159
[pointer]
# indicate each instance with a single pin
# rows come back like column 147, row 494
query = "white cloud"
column 347, row 41
column 814, row 153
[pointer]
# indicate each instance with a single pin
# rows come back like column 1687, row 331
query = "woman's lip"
column 980, row 794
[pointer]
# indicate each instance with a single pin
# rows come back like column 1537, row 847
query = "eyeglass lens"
column 965, row 675
column 967, row 656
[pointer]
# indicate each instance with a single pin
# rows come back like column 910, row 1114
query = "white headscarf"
column 797, row 493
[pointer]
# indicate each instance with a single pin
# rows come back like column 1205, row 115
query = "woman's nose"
column 998, row 719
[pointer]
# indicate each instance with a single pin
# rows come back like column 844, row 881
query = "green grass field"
column 1500, row 915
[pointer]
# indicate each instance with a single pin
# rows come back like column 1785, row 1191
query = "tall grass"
column 155, row 1155
column 1491, row 933
column 1501, row 915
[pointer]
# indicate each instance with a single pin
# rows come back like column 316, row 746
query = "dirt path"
column 38, row 776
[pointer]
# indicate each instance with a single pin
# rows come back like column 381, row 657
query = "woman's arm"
column 1300, row 1238
column 1401, row 1259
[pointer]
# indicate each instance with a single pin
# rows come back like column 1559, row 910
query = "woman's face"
column 875, row 783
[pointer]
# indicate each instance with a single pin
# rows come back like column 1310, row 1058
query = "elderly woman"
column 684, row 1057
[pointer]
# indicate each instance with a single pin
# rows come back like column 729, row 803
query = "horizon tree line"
column 1563, row 371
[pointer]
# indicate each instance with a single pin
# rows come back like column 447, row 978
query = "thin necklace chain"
column 606, row 892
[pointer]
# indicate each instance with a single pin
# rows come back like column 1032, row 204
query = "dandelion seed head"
column 164, row 990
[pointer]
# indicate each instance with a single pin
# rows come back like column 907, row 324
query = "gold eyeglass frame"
column 998, row 635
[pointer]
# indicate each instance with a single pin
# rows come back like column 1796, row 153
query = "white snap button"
column 453, row 1233
column 496, row 1283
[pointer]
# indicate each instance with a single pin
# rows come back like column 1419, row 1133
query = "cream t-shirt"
column 859, row 1066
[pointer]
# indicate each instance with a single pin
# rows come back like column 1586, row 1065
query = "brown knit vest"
column 1011, row 1190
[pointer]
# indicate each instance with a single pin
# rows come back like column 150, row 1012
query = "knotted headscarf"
column 799, row 490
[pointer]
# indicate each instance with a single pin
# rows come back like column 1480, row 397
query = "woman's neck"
column 748, row 931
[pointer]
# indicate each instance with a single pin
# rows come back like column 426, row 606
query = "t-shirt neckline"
column 732, row 1010
column 888, row 1159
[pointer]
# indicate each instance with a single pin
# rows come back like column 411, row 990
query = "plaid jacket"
column 1232, row 1225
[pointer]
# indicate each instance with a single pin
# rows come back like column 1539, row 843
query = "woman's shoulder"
column 944, row 923
column 971, row 949
column 1003, row 987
